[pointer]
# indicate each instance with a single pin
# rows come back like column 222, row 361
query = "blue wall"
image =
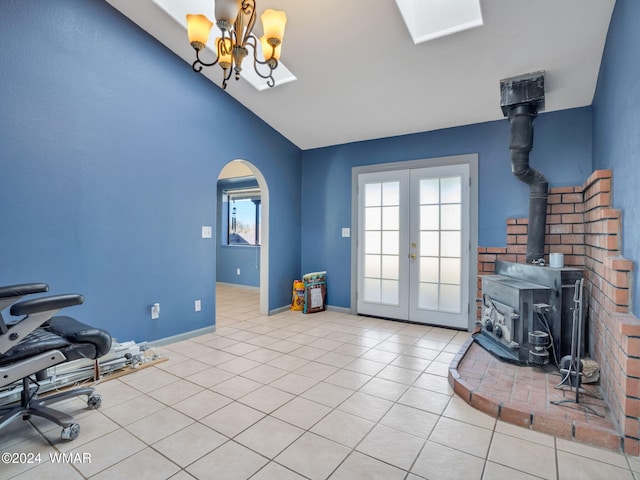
column 232, row 257
column 110, row 161
column 616, row 125
column 562, row 151
column 111, row 148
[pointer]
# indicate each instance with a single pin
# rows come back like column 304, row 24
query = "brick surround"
column 582, row 224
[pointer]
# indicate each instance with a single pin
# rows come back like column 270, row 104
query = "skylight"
column 430, row 19
column 178, row 9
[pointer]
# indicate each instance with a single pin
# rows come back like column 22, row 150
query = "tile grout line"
column 382, row 337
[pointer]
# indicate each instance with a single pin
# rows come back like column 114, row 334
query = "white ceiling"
column 360, row 76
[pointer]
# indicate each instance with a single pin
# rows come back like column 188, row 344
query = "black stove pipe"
column 522, row 97
column 521, row 118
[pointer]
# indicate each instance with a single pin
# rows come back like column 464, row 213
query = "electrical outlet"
column 155, row 311
column 237, row 271
column 206, row 232
column 198, row 305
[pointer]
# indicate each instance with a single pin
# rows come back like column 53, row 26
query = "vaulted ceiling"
column 360, row 76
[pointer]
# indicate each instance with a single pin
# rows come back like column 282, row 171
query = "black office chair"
column 38, row 341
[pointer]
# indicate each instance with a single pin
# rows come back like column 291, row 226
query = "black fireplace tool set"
column 571, row 365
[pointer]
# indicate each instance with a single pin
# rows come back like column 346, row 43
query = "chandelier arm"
column 248, row 6
column 269, row 77
column 248, row 9
column 223, row 44
column 272, row 63
column 226, row 77
column 198, row 63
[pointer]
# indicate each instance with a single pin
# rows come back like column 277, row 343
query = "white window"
column 243, row 216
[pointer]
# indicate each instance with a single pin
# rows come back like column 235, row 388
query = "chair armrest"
column 43, row 304
column 13, row 293
column 37, row 312
column 23, row 289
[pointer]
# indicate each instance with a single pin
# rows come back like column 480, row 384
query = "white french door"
column 413, row 245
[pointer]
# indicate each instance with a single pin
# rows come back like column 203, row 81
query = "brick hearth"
column 522, row 396
column 582, row 225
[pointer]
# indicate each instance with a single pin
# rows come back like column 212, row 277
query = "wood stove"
column 522, row 305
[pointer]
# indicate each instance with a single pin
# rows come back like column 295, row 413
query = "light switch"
column 346, row 232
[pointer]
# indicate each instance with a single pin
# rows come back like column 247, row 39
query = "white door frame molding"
column 468, row 159
column 264, row 225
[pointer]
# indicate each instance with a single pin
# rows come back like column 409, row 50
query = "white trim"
column 344, row 310
column 281, row 309
column 182, row 336
column 238, row 285
column 331, row 308
column 264, row 247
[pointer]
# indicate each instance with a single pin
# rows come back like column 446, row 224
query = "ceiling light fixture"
column 236, row 19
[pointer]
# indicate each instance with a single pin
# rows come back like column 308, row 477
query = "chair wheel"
column 71, row 432
column 94, row 401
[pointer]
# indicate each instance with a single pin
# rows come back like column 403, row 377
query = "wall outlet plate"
column 206, row 231
column 198, row 305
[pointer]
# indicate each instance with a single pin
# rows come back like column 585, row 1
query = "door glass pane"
column 371, row 290
column 390, row 218
column 428, row 296
column 390, row 292
column 372, row 266
column 450, row 244
column 429, row 244
column 450, row 270
column 391, row 243
column 429, row 217
column 451, row 219
column 451, row 190
column 450, row 298
column 372, row 242
column 382, row 236
column 429, row 191
column 390, row 267
column 429, row 269
column 391, row 193
column 372, row 194
column 372, row 218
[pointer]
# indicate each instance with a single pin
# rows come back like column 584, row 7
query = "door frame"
column 264, row 225
column 467, row 159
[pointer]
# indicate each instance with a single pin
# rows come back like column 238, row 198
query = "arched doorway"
column 240, row 168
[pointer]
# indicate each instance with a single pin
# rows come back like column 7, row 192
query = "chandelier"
column 236, row 19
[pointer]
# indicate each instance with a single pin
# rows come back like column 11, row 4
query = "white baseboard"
column 183, row 336
column 238, row 285
column 275, row 311
column 339, row 309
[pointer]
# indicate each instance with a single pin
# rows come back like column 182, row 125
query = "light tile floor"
column 295, row 396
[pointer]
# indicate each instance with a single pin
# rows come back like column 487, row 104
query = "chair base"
column 30, row 406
